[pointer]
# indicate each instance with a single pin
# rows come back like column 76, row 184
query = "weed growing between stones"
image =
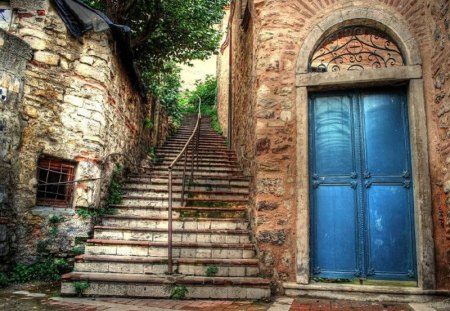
column 115, row 193
column 3, row 280
column 45, row 269
column 80, row 287
column 178, row 291
column 212, row 270
column 77, row 250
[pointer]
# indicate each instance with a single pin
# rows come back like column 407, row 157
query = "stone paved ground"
column 41, row 297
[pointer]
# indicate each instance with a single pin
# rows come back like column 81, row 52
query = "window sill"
column 47, row 211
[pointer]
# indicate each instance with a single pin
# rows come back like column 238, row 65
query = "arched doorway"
column 377, row 97
column 361, row 194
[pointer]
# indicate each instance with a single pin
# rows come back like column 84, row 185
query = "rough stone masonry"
column 72, row 101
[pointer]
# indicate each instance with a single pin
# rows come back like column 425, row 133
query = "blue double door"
column 362, row 213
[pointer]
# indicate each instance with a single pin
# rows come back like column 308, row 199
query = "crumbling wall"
column 78, row 104
column 14, row 55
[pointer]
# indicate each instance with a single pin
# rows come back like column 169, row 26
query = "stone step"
column 202, row 162
column 177, row 188
column 158, row 265
column 171, row 155
column 179, row 212
column 162, row 200
column 189, row 193
column 197, row 174
column 177, row 223
column 150, row 286
column 209, row 181
column 179, row 235
column 197, row 164
column 201, row 151
column 178, row 169
column 160, row 249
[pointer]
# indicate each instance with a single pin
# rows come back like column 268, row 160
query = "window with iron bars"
column 55, row 182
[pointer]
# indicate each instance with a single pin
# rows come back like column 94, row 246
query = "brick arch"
column 383, row 21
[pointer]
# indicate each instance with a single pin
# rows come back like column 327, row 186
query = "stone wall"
column 78, row 104
column 14, row 56
column 438, row 100
column 223, row 70
column 269, row 95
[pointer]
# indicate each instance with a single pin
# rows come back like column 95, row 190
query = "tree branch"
column 150, row 25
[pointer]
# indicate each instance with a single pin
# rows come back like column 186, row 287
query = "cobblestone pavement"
column 42, row 297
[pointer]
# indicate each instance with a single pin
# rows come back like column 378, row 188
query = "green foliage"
column 96, row 4
column 165, row 84
column 148, row 124
column 115, row 194
column 212, row 270
column 41, row 246
column 77, row 250
column 56, row 219
column 206, row 90
column 80, row 287
column 178, row 291
column 3, row 280
column 46, row 269
column 86, row 213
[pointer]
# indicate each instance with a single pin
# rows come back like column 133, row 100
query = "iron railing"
column 191, row 145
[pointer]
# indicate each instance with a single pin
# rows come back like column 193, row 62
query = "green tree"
column 167, row 30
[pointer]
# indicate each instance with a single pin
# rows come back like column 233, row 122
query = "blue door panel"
column 333, row 135
column 361, row 191
column 390, row 240
column 335, row 234
column 385, row 134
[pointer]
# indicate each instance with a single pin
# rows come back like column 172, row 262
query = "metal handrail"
column 184, row 151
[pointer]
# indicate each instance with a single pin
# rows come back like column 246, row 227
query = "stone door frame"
column 411, row 74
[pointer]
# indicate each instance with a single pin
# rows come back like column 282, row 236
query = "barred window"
column 55, row 182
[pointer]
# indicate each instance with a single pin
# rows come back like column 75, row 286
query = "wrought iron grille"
column 356, row 48
column 55, row 182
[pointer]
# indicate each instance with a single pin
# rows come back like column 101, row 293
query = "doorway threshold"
column 363, row 292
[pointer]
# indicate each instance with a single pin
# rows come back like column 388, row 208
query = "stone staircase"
column 211, row 233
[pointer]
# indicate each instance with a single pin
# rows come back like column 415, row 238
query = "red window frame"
column 55, row 182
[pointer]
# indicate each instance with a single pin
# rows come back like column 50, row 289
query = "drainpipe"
column 230, row 85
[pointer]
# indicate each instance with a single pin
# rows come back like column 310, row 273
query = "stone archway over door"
column 411, row 74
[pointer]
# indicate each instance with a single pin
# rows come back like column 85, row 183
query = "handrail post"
column 169, row 240
column 198, row 143
column 184, row 179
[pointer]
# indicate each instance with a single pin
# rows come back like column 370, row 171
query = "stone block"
column 47, row 58
column 32, row 5
column 270, row 186
column 277, row 237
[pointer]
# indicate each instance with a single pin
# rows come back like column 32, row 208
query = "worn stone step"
column 214, row 181
column 179, row 249
column 202, row 162
column 197, row 174
column 162, row 201
column 198, row 170
column 177, row 223
column 197, row 166
column 177, row 188
column 179, row 235
column 158, row 265
column 189, row 193
column 179, row 212
column 150, row 286
column 171, row 155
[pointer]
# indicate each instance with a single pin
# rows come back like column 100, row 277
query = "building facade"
column 70, row 112
column 339, row 113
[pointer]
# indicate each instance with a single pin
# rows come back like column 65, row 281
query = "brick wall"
column 78, row 104
column 269, row 95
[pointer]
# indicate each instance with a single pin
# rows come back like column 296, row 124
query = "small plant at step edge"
column 178, row 291
column 212, row 270
column 80, row 287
